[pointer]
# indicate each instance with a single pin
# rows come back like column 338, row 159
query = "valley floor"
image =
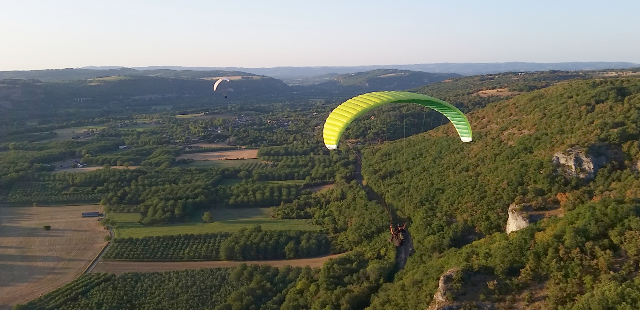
column 34, row 261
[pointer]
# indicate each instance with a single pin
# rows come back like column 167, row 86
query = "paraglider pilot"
column 397, row 235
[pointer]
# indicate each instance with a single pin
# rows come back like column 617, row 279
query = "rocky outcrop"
column 576, row 163
column 448, row 287
column 584, row 163
column 440, row 300
column 518, row 217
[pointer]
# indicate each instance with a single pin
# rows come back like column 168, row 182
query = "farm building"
column 91, row 214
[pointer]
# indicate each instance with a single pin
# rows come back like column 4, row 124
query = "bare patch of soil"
column 34, row 261
column 221, row 155
column 500, row 92
column 319, row 188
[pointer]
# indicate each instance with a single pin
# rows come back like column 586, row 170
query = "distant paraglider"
column 344, row 114
column 223, row 88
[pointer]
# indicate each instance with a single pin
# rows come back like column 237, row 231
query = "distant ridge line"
column 288, row 72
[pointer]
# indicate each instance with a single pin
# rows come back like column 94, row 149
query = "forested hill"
column 69, row 74
column 390, row 79
column 474, row 92
column 453, row 193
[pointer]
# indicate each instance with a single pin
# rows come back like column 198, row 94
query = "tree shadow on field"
column 33, row 258
column 10, row 247
column 11, row 274
column 22, row 231
column 230, row 214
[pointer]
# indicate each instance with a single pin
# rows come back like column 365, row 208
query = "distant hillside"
column 378, row 80
column 97, row 97
column 388, row 79
column 301, row 75
column 69, row 74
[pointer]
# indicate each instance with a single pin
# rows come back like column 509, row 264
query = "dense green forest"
column 580, row 251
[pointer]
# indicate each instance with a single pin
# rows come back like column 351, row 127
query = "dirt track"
column 220, row 155
column 34, row 261
column 119, row 267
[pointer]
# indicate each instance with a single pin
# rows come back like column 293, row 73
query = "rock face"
column 448, row 288
column 440, row 299
column 577, row 163
column 584, row 163
column 518, row 217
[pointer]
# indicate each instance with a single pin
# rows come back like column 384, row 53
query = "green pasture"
column 194, row 115
column 113, row 78
column 68, row 133
column 225, row 220
column 141, row 126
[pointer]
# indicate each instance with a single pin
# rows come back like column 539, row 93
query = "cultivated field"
column 221, row 155
column 225, row 220
column 68, row 133
column 500, row 92
column 223, row 163
column 122, row 266
column 34, row 261
column 219, row 144
column 321, row 188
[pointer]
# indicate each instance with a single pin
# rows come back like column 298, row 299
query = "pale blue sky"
column 47, row 34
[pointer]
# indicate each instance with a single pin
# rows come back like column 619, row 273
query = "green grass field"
column 141, row 126
column 68, row 133
column 225, row 220
column 190, row 115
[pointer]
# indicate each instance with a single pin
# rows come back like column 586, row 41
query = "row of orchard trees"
column 167, row 248
column 257, row 244
column 347, row 282
column 246, row 244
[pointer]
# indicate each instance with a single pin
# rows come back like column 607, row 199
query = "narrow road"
column 119, row 267
column 97, row 258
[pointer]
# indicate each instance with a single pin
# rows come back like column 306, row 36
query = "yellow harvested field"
column 219, row 144
column 87, row 169
column 34, row 261
column 119, row 267
column 221, row 155
column 500, row 92
column 320, row 188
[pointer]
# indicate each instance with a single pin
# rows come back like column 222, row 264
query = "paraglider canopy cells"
column 223, row 88
column 344, row 114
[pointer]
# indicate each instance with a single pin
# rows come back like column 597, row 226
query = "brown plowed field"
column 218, row 155
column 34, row 261
column 119, row 267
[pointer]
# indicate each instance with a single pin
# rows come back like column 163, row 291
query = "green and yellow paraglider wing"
column 351, row 109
